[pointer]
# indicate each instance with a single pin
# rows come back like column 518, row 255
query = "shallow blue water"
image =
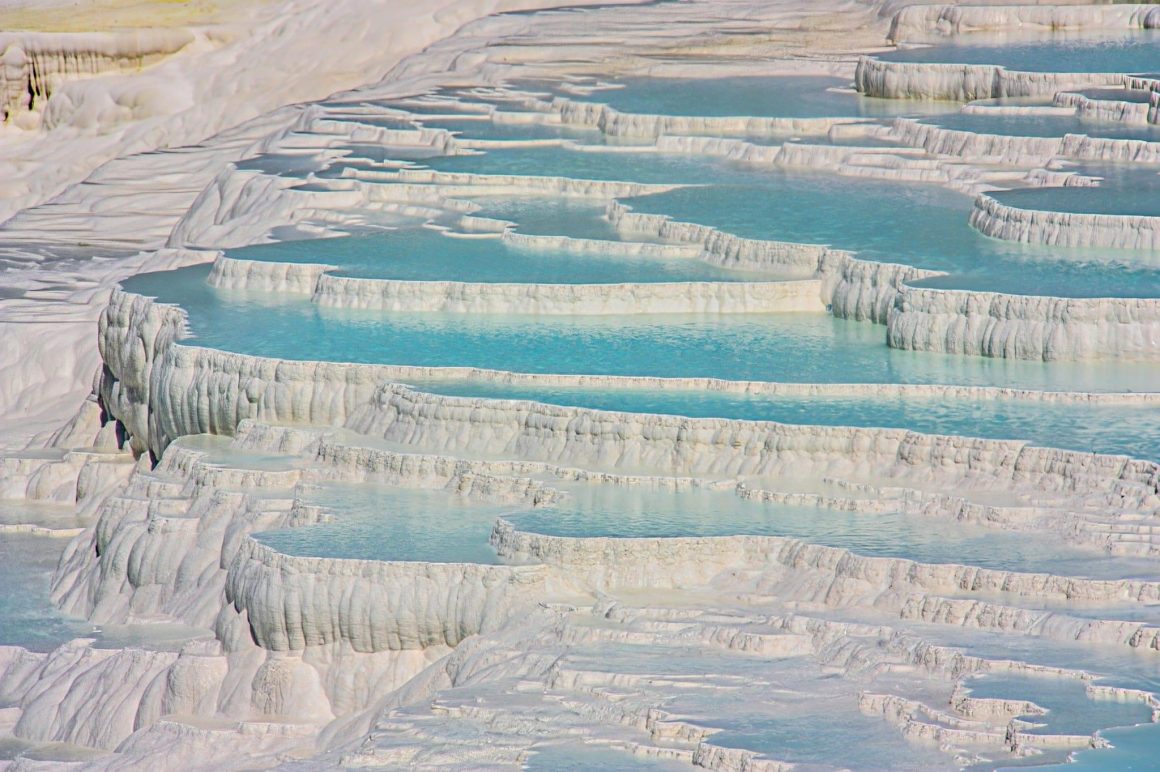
column 1139, row 96
column 425, row 254
column 1124, row 190
column 1130, row 430
column 640, row 512
column 774, row 97
column 1071, row 712
column 624, row 166
column 922, row 225
column 1135, row 52
column 27, row 616
column 795, row 737
column 377, row 522
column 1069, row 709
column 374, row 522
column 775, row 347
column 1042, row 126
column 550, row 216
column 576, row 755
column 1133, row 748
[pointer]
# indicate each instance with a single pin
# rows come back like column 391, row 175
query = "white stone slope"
column 231, row 76
column 1025, row 327
column 967, row 82
column 462, row 297
column 918, row 23
column 236, row 73
column 1066, row 229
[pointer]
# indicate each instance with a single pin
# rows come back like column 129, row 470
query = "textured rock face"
column 987, row 148
column 618, row 124
column 967, row 82
column 493, row 298
column 1025, row 327
column 134, row 332
column 918, row 22
column 257, row 276
column 86, row 696
column 1112, row 110
column 1066, row 229
column 863, row 290
column 311, row 638
column 290, row 602
column 33, row 66
column 174, row 400
column 579, row 299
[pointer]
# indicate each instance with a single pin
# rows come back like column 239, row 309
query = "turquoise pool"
column 773, row 347
column 922, row 225
column 1130, row 430
column 427, row 255
column 1133, row 52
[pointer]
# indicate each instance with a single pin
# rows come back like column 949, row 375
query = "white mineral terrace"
column 507, row 384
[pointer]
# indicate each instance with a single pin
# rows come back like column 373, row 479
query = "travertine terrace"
column 733, row 384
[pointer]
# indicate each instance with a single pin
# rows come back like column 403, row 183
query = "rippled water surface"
column 27, row 616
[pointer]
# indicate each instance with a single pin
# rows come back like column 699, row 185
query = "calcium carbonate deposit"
column 738, row 384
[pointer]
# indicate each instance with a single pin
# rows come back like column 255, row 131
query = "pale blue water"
column 487, row 129
column 1069, row 709
column 641, row 512
column 1124, row 190
column 624, row 166
column 766, row 96
column 1135, row 52
column 27, row 616
column 282, row 164
column 1139, row 96
column 579, row 755
column 1042, row 126
column 922, row 225
column 1071, row 712
column 774, row 347
column 1117, row 429
column 1133, row 748
column 796, row 737
column 377, row 522
column 425, row 254
column 550, row 216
